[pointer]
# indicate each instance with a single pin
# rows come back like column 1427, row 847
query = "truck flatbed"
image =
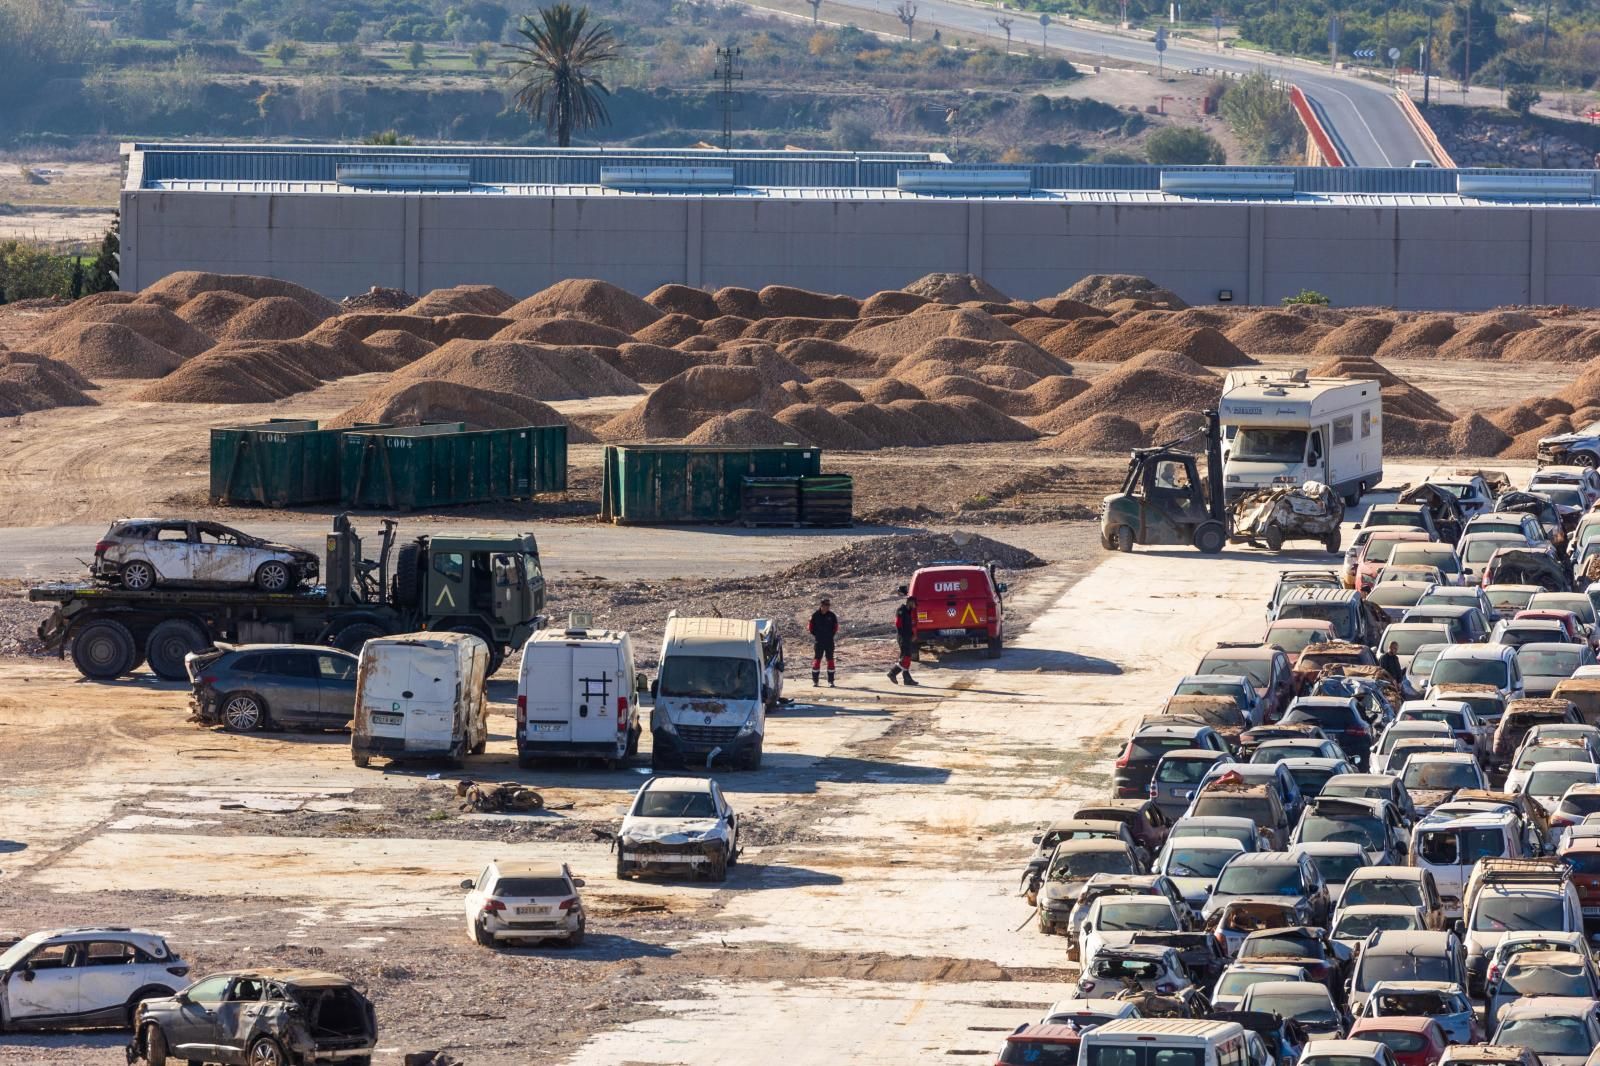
column 162, row 595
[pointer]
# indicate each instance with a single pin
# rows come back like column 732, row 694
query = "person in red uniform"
column 824, row 629
column 905, row 629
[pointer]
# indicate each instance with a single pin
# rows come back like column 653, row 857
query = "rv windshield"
column 1258, row 444
column 709, row 677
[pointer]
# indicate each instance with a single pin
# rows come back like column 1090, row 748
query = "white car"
column 1113, row 921
column 1559, row 1030
column 525, row 902
column 61, row 978
column 678, row 824
column 1530, row 757
column 1084, row 1013
column 141, row 553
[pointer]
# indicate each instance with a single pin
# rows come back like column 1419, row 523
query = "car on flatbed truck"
column 488, row 585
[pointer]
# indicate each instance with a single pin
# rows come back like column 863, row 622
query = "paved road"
column 1363, row 116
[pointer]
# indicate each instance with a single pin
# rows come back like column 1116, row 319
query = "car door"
column 191, row 1031
column 108, row 975
column 291, row 687
column 45, row 984
column 169, row 550
column 220, row 558
column 336, row 689
column 234, row 1018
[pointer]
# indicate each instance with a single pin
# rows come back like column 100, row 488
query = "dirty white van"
column 575, row 696
column 1164, row 1042
column 420, row 696
column 711, row 694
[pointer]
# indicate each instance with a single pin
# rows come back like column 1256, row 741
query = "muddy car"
column 676, row 825
column 141, row 553
column 259, row 1018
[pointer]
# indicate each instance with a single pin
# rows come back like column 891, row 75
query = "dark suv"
column 1284, row 877
column 1341, row 721
column 1136, row 766
column 260, row 686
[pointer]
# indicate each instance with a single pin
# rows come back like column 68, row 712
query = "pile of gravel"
column 901, row 555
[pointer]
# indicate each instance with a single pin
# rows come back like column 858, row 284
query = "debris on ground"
column 486, row 798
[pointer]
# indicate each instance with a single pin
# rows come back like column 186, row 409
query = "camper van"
column 1286, row 430
column 711, row 694
column 420, row 696
column 575, row 697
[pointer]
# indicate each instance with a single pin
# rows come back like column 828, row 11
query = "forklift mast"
column 1214, row 466
column 348, row 576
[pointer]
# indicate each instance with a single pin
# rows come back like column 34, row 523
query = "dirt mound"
column 774, row 368
column 1525, row 445
column 464, row 299
column 185, row 285
column 1410, row 436
column 969, row 353
column 398, row 346
column 887, row 390
column 682, row 300
column 824, row 391
column 1036, row 329
column 873, row 558
column 1100, row 290
column 1557, row 343
column 1202, row 344
column 247, row 372
column 1476, row 436
column 681, row 403
column 651, row 364
column 1069, row 341
column 1420, row 338
column 1276, row 333
column 1139, row 393
column 955, row 289
column 669, row 329
column 411, row 403
column 1047, row 394
column 739, row 302
column 1359, row 337
column 825, row 358
column 744, row 428
column 151, row 321
column 1482, row 336
column 272, row 318
column 815, row 424
column 1007, row 377
column 697, row 344
column 563, row 331
column 906, row 335
column 378, row 298
column 1529, row 414
column 784, row 330
column 31, row 382
column 1408, row 400
column 104, row 350
column 1066, row 309
column 727, row 327
column 1101, row 434
column 1350, row 367
column 1179, row 425
column 210, row 312
column 893, row 302
column 536, row 371
column 784, row 301
column 594, row 301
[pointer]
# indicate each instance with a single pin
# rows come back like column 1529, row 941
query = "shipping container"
column 284, row 462
column 444, row 466
column 661, row 483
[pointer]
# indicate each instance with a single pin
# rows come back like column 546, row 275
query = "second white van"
column 711, row 695
column 575, row 697
column 1164, row 1042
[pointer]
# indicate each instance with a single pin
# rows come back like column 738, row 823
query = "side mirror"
column 1088, row 927
column 640, row 682
column 27, row 975
column 578, row 882
column 654, row 685
column 903, row 590
column 1038, row 837
column 1002, row 586
column 468, row 885
column 1459, row 927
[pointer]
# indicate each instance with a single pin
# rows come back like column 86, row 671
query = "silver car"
column 141, row 553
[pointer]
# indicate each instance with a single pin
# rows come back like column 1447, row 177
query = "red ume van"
column 959, row 605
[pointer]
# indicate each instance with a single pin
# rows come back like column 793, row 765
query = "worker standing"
column 1390, row 663
column 824, row 629
column 905, row 630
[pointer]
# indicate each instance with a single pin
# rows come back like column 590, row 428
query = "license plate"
column 533, row 910
column 382, row 718
column 1591, row 912
column 545, row 727
column 634, row 856
column 952, row 632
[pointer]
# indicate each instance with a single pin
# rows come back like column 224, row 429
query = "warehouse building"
column 341, row 218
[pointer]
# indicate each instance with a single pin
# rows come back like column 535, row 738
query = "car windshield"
column 1535, row 754
column 1081, row 865
column 1518, row 914
column 1287, row 946
column 1394, row 595
column 1397, row 1039
column 1581, row 804
column 1402, row 967
column 1312, row 1007
column 1451, row 775
column 1422, row 661
column 1515, row 636
column 1563, row 497
column 1381, row 890
column 1153, row 747
column 1235, row 982
column 527, row 887
column 1123, row 916
column 1378, row 551
column 1417, row 1004
column 1189, row 771
column 1547, row 1036
column 1561, row 979
column 1257, row 808
column 1257, row 444
column 709, row 677
column 1414, row 519
column 1366, row 830
column 1409, row 639
column 1110, row 966
column 1507, row 601
column 1311, row 778
column 1463, row 846
column 1277, row 751
column 1039, row 1053
column 1327, row 714
column 663, row 804
column 1337, row 1060
column 1357, row 926
column 1278, row 879
column 1469, row 672
column 1479, row 551
column 1197, row 862
column 1257, row 670
column 1336, row 869
column 1549, row 663
column 1213, row 688
column 1547, row 784
column 18, row 951
column 1293, row 639
column 1453, row 719
column 1579, row 605
column 1335, row 613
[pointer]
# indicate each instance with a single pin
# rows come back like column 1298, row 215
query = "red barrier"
column 1319, row 136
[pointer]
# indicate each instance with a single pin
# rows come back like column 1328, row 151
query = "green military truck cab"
column 491, row 585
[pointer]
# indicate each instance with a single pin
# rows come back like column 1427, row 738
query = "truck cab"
column 488, row 585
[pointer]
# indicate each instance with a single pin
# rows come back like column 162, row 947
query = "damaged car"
column 65, row 978
column 258, row 1018
column 678, row 824
column 141, row 553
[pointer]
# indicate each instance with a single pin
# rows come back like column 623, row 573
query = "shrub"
column 1176, row 145
column 1306, row 296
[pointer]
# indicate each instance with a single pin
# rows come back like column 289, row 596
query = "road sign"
column 1161, row 38
column 1044, row 20
column 1365, row 53
column 1394, row 54
column 1216, row 23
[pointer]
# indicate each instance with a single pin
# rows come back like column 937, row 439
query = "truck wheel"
column 361, row 761
column 1209, row 537
column 1123, row 536
column 633, row 741
column 104, row 649
column 660, row 763
column 995, row 645
column 169, row 642
column 354, row 635
column 155, row 1046
column 138, row 576
column 406, row 588
column 244, row 712
column 1273, row 536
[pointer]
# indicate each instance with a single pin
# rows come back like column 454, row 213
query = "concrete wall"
column 1425, row 257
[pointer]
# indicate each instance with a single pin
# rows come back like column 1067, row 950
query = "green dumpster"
column 283, row 462
column 660, row 483
column 411, row 467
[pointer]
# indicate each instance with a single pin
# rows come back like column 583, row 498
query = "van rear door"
column 412, row 692
column 595, row 685
column 547, row 693
column 953, row 601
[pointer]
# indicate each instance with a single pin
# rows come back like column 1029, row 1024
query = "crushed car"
column 1310, row 511
column 141, row 553
column 678, row 824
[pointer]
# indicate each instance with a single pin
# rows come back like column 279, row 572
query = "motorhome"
column 1288, row 429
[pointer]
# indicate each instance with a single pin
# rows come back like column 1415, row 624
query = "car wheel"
column 138, row 576
column 1332, row 542
column 718, row 870
column 274, row 576
column 104, row 649
column 132, row 1006
column 1123, row 538
column 169, row 642
column 244, row 712
column 1273, row 537
column 155, row 1046
column 361, row 761
column 660, row 763
column 753, row 760
column 266, row 1052
column 622, row 866
column 481, row 935
column 575, row 939
column 1588, row 459
column 994, row 648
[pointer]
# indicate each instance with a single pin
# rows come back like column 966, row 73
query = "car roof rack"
column 1523, row 871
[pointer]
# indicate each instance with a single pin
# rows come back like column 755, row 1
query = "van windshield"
column 1451, row 847
column 664, row 804
column 1038, row 1053
column 709, row 677
column 1261, row 445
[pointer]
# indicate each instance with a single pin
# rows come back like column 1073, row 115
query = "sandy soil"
column 60, row 202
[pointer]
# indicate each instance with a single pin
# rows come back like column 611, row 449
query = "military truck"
column 489, row 585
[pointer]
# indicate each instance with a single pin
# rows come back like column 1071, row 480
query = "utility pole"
column 727, row 99
column 1333, row 39
column 816, row 5
column 1123, row 4
column 1427, row 60
column 1004, row 22
column 1544, row 43
column 1044, row 33
column 1466, row 62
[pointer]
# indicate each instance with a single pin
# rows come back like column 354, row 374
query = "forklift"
column 1163, row 500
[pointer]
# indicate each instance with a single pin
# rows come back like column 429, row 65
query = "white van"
column 1164, row 1042
column 711, row 694
column 575, row 697
column 1294, row 429
column 420, row 696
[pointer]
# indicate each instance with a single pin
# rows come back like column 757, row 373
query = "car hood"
column 672, row 830
column 1567, row 438
column 1060, row 892
column 1426, row 799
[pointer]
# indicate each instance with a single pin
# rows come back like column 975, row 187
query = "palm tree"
column 554, row 73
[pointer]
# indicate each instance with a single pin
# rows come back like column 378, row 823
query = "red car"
column 1414, row 1041
column 1583, row 855
column 959, row 605
column 1041, row 1045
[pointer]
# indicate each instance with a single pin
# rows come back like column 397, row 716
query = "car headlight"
column 664, row 725
column 748, row 727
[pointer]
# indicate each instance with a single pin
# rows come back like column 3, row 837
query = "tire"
column 660, row 763
column 753, row 760
column 266, row 1052
column 622, row 867
column 480, row 746
column 1588, row 459
column 996, row 644
column 718, row 870
column 633, row 741
column 361, row 761
column 1273, row 536
column 1123, row 535
column 1209, row 537
column 525, row 762
column 169, row 642
column 354, row 635
column 480, row 936
column 104, row 649
column 575, row 940
column 244, row 712
column 406, row 587
column 274, row 575
column 153, row 992
column 1333, row 542
column 155, row 1046
column 138, row 576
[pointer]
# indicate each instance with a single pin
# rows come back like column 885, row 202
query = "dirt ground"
column 58, row 201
